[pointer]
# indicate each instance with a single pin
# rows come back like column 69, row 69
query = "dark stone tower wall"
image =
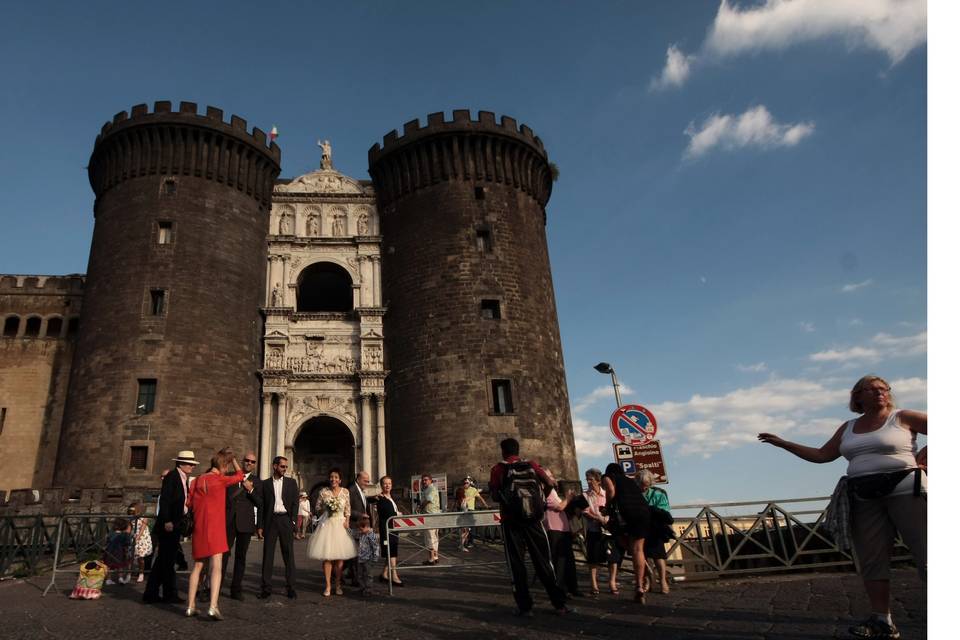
column 213, row 180
column 436, row 186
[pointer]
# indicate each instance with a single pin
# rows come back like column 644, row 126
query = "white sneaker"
column 139, row 578
column 125, row 580
column 109, row 582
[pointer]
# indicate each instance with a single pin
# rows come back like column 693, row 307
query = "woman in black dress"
column 386, row 509
column 627, row 499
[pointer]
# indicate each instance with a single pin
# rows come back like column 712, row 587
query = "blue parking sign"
column 629, row 467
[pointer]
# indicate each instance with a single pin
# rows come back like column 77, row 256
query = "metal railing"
column 731, row 538
column 715, row 540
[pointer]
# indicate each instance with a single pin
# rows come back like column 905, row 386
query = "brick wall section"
column 34, row 372
column 205, row 350
column 442, row 354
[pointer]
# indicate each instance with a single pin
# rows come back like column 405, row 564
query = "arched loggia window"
column 324, row 286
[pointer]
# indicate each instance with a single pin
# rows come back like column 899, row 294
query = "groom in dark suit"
column 244, row 499
column 276, row 521
column 170, row 511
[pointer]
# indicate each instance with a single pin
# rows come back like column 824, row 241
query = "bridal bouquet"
column 332, row 506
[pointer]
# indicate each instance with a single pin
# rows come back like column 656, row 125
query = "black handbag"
column 616, row 523
column 186, row 525
column 879, row 485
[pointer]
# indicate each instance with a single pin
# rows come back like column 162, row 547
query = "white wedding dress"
column 331, row 540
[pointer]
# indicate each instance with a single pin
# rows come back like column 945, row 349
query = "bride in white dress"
column 331, row 540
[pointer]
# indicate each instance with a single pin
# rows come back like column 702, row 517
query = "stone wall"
column 40, row 314
column 439, row 189
column 182, row 208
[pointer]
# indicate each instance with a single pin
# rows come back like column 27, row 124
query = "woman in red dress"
column 208, row 501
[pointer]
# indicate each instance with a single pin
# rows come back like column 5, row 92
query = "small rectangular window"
column 3, row 418
column 157, row 302
column 490, row 309
column 479, row 193
column 164, row 233
column 138, row 458
column 483, row 240
column 502, row 397
column 146, row 396
column 169, row 187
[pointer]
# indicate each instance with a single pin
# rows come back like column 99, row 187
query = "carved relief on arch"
column 301, row 409
column 350, row 265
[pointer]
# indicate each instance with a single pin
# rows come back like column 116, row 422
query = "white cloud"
column 591, row 439
column 706, row 425
column 754, row 127
column 893, row 27
column 752, row 368
column 847, row 288
column 807, row 327
column 675, row 70
column 598, row 394
column 880, row 347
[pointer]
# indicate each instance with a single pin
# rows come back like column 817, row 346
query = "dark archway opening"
column 325, row 287
column 324, row 443
column 11, row 326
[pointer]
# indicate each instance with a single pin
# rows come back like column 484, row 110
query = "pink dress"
column 208, row 501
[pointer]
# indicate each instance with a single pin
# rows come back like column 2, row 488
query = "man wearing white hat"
column 170, row 511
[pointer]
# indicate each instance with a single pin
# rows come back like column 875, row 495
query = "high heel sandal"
column 214, row 613
column 640, row 596
column 326, row 592
column 339, row 590
column 191, row 612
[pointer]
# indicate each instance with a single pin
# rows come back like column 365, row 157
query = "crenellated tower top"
column 184, row 143
column 481, row 150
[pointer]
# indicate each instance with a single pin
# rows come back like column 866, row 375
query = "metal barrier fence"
column 748, row 540
column 447, row 522
column 720, row 539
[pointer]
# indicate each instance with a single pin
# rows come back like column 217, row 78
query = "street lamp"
column 605, row 368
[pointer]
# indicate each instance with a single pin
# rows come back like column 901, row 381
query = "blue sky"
column 739, row 225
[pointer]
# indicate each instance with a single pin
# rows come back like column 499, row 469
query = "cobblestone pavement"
column 468, row 602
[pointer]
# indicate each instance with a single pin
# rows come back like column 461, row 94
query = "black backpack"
column 521, row 495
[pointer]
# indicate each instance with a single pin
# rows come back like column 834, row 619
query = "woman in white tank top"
column 883, row 469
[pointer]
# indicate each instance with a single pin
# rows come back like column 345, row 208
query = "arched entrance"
column 323, row 443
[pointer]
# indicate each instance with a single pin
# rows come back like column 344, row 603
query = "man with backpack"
column 518, row 486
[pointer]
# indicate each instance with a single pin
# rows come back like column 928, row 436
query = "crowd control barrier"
column 446, row 522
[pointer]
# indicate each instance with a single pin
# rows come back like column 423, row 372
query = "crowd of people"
column 883, row 492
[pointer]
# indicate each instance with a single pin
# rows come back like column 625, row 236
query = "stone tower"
column 471, row 333
column 170, row 341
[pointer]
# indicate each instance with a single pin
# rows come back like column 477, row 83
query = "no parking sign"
column 633, row 424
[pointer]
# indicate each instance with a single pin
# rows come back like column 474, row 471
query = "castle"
column 401, row 325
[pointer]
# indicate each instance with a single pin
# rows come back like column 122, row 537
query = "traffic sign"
column 629, row 468
column 633, row 423
column 649, row 456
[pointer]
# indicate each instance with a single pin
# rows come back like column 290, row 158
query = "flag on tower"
column 274, row 134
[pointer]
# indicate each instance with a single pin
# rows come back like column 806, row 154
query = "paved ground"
column 468, row 602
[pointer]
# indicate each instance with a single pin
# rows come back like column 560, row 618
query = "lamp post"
column 605, row 368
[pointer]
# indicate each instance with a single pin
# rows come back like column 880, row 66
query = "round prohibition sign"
column 633, row 423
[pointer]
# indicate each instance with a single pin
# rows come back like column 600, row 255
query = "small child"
column 368, row 552
column 142, row 542
column 303, row 515
column 119, row 551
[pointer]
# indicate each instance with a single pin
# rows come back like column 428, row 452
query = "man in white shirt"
column 276, row 521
